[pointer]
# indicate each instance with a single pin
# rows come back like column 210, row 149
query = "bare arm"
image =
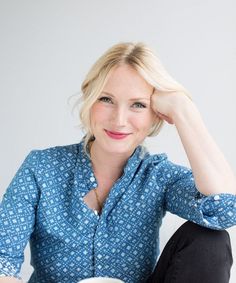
column 212, row 173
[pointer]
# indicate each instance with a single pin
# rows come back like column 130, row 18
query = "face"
column 122, row 116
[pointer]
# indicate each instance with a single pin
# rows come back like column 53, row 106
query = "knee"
column 207, row 242
column 200, row 233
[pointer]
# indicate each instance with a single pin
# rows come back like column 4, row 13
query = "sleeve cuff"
column 7, row 269
column 216, row 211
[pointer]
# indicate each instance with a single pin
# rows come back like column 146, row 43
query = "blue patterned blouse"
column 69, row 241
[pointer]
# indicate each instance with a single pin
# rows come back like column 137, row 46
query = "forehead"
column 126, row 80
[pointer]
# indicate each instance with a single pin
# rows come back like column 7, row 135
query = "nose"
column 120, row 116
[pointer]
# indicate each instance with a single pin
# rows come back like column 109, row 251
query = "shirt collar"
column 130, row 167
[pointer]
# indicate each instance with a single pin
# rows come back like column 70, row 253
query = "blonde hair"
column 143, row 60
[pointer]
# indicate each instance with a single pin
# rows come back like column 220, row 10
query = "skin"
column 123, row 106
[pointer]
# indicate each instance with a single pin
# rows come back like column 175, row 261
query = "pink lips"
column 116, row 135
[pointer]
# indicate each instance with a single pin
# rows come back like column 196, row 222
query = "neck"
column 107, row 165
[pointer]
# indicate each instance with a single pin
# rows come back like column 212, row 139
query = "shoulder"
column 53, row 156
column 164, row 168
column 59, row 151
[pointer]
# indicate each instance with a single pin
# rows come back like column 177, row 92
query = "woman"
column 95, row 208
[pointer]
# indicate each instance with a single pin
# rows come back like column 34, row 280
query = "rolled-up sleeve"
column 215, row 211
column 17, row 216
column 182, row 198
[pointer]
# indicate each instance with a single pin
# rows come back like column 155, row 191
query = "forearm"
column 211, row 171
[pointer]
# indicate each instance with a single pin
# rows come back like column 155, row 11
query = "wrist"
column 184, row 110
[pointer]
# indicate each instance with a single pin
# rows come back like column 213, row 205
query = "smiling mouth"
column 116, row 135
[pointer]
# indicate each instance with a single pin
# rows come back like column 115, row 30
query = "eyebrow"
column 136, row 98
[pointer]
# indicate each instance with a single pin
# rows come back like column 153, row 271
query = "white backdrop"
column 47, row 46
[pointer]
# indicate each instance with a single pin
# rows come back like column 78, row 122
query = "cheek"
column 142, row 122
column 94, row 115
column 98, row 114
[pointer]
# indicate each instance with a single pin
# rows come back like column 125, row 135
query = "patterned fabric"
column 69, row 241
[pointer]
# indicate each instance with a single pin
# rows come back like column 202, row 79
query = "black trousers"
column 195, row 254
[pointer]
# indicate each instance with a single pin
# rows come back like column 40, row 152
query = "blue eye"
column 139, row 105
column 105, row 99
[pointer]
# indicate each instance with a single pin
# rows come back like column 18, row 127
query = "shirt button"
column 216, row 197
column 92, row 179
